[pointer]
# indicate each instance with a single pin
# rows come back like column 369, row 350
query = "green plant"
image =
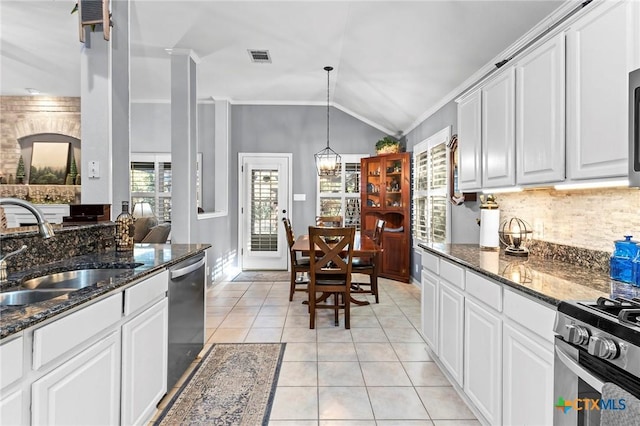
column 386, row 141
column 20, row 175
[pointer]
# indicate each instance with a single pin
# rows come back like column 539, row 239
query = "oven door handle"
column 579, row 371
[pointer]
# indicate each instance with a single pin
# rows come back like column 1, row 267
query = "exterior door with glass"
column 264, row 200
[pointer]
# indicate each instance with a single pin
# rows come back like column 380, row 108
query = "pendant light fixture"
column 327, row 160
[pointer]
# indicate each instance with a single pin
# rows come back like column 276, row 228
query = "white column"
column 120, row 105
column 183, row 146
column 105, row 112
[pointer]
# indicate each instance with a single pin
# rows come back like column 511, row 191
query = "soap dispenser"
column 621, row 264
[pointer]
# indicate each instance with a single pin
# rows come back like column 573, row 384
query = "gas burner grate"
column 630, row 316
column 619, row 302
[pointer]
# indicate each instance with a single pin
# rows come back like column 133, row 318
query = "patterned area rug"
column 263, row 276
column 233, row 385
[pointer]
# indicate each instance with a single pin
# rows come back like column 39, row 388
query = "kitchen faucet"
column 3, row 262
column 44, row 227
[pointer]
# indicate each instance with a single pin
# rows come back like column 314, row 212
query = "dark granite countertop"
column 145, row 260
column 548, row 280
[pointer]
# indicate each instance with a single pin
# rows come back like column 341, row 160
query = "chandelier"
column 327, row 160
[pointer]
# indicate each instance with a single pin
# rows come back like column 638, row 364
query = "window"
column 151, row 183
column 431, row 208
column 340, row 195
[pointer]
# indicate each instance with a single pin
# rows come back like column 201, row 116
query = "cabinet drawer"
column 532, row 315
column 430, row 262
column 484, row 290
column 145, row 292
column 452, row 273
column 11, row 357
column 53, row 340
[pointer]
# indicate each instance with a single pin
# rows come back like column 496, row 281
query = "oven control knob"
column 603, row 347
column 577, row 334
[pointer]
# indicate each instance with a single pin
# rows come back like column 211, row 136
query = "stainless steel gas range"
column 597, row 362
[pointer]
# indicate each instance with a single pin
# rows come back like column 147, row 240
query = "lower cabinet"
column 103, row 364
column 483, row 359
column 527, row 378
column 144, row 363
column 494, row 343
column 430, row 310
column 12, row 408
column 12, row 404
column 82, row 391
column 451, row 329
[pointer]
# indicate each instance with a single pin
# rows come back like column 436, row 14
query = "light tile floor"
column 376, row 373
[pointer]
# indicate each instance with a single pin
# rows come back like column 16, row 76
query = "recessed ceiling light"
column 32, row 91
column 261, row 56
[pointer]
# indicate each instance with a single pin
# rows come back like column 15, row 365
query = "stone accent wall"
column 592, row 219
column 22, row 116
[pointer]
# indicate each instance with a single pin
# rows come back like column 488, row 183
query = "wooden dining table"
column 363, row 246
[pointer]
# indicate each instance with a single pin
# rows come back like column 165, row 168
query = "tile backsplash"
column 592, row 219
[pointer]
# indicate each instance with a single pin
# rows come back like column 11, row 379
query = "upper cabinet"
column 560, row 111
column 600, row 53
column 470, row 142
column 498, row 131
column 540, row 89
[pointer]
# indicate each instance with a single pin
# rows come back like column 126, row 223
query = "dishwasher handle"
column 177, row 273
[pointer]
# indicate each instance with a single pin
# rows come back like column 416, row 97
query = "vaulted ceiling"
column 393, row 60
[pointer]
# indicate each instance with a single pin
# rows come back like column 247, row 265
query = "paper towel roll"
column 489, row 224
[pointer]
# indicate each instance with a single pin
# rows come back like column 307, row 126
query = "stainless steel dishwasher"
column 186, row 315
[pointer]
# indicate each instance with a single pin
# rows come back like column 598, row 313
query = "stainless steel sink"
column 73, row 279
column 27, row 297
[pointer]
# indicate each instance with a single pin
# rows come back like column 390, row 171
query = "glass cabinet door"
column 373, row 181
column 393, row 183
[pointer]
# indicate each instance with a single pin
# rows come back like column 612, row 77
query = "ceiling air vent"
column 261, row 56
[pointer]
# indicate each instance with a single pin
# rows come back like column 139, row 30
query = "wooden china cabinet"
column 385, row 194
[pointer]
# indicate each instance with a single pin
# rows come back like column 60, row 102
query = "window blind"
column 340, row 195
column 264, row 212
column 430, row 180
column 151, row 183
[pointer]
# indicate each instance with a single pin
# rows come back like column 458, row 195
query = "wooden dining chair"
column 330, row 271
column 333, row 221
column 370, row 265
column 299, row 265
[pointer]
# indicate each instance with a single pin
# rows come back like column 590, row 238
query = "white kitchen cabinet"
column 82, row 391
column 59, row 338
column 12, row 408
column 11, row 370
column 540, row 110
column 470, row 142
column 527, row 376
column 451, row 329
column 430, row 309
column 498, row 133
column 483, row 359
column 144, row 363
column 602, row 48
column 11, row 361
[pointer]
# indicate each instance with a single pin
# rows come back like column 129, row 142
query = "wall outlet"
column 94, row 169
